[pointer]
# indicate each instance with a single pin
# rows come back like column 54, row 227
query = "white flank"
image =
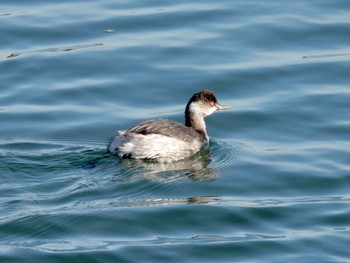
column 153, row 146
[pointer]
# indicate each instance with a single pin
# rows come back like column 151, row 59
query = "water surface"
column 274, row 183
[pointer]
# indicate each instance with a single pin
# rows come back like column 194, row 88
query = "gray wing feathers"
column 167, row 128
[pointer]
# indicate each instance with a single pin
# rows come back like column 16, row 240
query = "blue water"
column 272, row 187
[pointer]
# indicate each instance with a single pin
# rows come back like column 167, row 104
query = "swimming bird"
column 165, row 140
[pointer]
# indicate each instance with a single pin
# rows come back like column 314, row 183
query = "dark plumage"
column 166, row 128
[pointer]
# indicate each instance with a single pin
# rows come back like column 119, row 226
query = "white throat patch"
column 200, row 108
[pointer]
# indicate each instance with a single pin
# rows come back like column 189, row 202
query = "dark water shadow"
column 54, row 49
column 326, row 55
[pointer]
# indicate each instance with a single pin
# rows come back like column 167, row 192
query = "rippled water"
column 274, row 184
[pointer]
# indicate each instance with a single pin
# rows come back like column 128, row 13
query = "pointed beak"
column 222, row 107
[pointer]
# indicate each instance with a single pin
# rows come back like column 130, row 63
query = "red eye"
column 212, row 103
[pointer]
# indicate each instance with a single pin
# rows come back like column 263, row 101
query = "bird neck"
column 195, row 120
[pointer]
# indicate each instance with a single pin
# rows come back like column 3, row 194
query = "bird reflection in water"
column 196, row 167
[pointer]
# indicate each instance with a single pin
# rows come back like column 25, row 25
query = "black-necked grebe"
column 165, row 140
